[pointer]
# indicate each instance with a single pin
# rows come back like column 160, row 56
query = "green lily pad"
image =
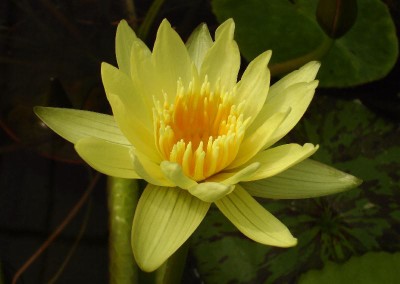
column 370, row 268
column 366, row 53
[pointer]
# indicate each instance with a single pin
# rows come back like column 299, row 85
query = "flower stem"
column 123, row 195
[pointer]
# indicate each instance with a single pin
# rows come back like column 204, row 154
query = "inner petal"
column 201, row 130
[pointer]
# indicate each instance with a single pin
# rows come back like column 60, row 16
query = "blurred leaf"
column 370, row 268
column 366, row 53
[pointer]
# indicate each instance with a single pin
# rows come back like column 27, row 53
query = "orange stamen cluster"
column 202, row 130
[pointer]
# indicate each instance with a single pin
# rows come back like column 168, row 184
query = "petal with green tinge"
column 73, row 125
column 198, row 44
column 307, row 179
column 108, row 158
column 253, row 220
column 164, row 219
column 276, row 160
column 222, row 61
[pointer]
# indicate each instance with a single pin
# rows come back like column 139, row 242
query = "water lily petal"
column 137, row 133
column 108, row 158
column 211, row 191
column 198, row 44
column 278, row 159
column 254, row 141
column 222, row 60
column 305, row 180
column 254, row 85
column 117, row 83
column 297, row 97
column 253, row 220
column 149, row 170
column 306, row 74
column 237, row 175
column 174, row 173
column 164, row 219
column 171, row 60
column 123, row 42
column 73, row 125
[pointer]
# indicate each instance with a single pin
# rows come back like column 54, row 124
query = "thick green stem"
column 123, row 196
column 292, row 64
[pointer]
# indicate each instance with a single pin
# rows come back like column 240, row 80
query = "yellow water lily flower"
column 183, row 123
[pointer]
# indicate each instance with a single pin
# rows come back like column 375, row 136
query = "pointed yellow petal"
column 254, row 85
column 211, row 191
column 297, row 97
column 117, row 83
column 123, row 43
column 174, row 173
column 278, row 159
column 149, row 170
column 198, row 44
column 236, row 175
column 254, row 140
column 222, row 60
column 171, row 59
column 307, row 179
column 164, row 219
column 253, row 220
column 73, row 125
column 305, row 74
column 108, row 158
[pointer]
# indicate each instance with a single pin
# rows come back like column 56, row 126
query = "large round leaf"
column 366, row 53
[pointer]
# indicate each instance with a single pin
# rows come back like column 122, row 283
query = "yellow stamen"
column 202, row 130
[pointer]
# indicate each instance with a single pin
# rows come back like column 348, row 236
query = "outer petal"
column 254, row 140
column 198, row 44
column 171, row 60
column 164, row 219
column 297, row 97
column 253, row 220
column 222, row 61
column 123, row 43
column 73, row 125
column 254, row 85
column 278, row 159
column 108, row 158
column 305, row 180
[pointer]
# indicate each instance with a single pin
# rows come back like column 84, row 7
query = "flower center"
column 201, row 130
